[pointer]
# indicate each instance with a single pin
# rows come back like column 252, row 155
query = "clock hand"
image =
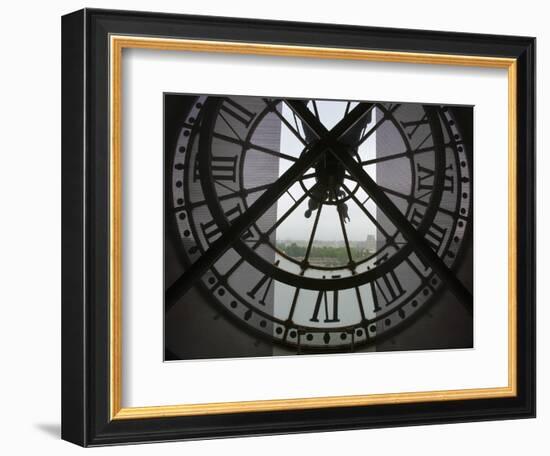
column 260, row 206
column 341, row 152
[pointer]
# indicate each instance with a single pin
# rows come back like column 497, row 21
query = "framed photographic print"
column 275, row 227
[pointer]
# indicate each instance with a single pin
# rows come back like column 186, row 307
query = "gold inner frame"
column 117, row 44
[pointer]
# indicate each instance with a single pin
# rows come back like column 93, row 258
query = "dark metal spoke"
column 250, row 145
column 314, row 103
column 258, row 188
column 371, row 217
column 290, row 194
column 309, row 175
column 296, row 122
column 227, row 196
column 346, row 240
column 289, row 211
column 418, row 200
column 286, row 123
column 312, row 235
column 269, row 151
column 350, row 177
column 227, row 187
column 348, row 105
column 230, row 127
column 236, row 266
column 227, row 138
column 367, row 135
column 406, row 154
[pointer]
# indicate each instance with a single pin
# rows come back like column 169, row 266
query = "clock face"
column 324, row 264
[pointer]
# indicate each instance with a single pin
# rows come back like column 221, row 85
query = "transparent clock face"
column 282, row 216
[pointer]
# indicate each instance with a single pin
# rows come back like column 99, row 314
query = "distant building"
column 371, row 242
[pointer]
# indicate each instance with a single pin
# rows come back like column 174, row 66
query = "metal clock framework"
column 216, row 177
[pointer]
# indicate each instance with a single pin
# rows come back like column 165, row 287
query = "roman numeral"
column 386, row 290
column 237, row 112
column 211, row 230
column 330, row 316
column 412, row 126
column 425, row 179
column 435, row 234
column 265, row 279
column 222, row 169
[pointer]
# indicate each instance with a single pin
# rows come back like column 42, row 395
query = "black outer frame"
column 85, row 227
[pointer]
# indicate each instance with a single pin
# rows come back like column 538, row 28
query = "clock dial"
column 326, row 264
